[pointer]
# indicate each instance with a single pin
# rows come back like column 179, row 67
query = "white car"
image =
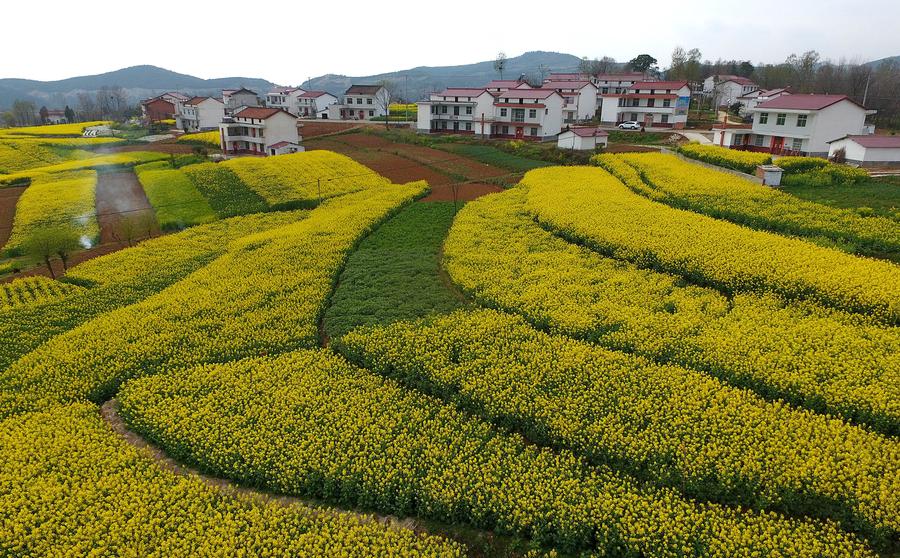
column 630, row 125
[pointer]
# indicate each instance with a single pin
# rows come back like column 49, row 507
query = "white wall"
column 423, row 117
column 281, row 127
column 859, row 154
column 838, row 120
column 209, row 113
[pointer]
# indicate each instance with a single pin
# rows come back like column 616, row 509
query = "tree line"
column 108, row 102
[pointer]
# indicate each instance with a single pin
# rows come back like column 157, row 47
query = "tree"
column 386, row 96
column 24, row 112
column 685, row 64
column 51, row 241
column 70, row 114
column 595, row 67
column 745, row 69
column 642, row 63
column 87, row 107
column 45, row 115
column 500, row 63
column 804, row 68
column 9, row 119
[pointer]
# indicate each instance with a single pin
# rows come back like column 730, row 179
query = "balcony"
column 448, row 116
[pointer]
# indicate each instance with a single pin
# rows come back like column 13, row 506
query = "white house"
column 797, row 125
column 582, row 138
column 580, row 98
column 459, row 110
column 534, row 114
column 260, row 131
column 652, row 103
column 56, row 116
column 315, row 104
column 361, row 102
column 617, row 82
column 287, row 98
column 727, row 89
column 868, row 150
column 500, row 85
column 752, row 99
column 199, row 113
column 234, row 99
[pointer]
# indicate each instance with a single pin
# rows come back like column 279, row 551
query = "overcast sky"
column 286, row 42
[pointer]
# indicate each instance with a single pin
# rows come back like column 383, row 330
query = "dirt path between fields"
column 475, row 540
column 123, row 205
column 8, row 198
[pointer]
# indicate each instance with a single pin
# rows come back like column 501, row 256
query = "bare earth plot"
column 121, row 198
column 8, row 198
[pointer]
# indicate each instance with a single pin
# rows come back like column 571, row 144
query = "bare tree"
column 500, row 63
column 595, row 67
column 87, row 106
column 24, row 112
column 385, row 98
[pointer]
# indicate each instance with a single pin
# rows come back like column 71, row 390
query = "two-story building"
column 617, row 82
column 361, row 102
column 500, row 85
column 314, row 104
column 727, row 89
column 235, row 99
column 287, row 98
column 162, row 107
column 797, row 125
column 580, row 99
column 752, row 99
column 260, row 131
column 661, row 104
column 458, row 110
column 199, row 113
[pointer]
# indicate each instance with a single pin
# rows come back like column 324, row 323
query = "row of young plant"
column 33, row 290
column 725, row 196
column 823, row 359
column 265, row 294
column 590, row 206
column 69, row 486
column 309, row 423
column 676, row 426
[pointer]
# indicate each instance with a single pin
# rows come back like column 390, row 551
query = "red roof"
column 588, row 132
column 568, row 77
column 363, row 90
column 736, row 79
column 627, row 76
column 462, row 92
column 528, row 93
column 659, row 84
column 260, row 113
column 281, row 144
column 877, row 142
column 509, row 83
column 196, row 100
column 565, row 84
column 314, row 94
column 805, row 102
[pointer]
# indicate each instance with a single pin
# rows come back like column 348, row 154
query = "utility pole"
column 405, row 95
column 866, row 92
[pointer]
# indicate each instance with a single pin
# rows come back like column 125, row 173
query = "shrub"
column 744, row 161
column 794, row 165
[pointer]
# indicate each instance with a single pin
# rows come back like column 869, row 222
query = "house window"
column 634, row 116
column 605, row 90
column 764, row 118
column 667, row 102
column 532, row 113
column 456, row 110
column 665, row 119
column 505, row 130
column 651, row 102
column 801, row 120
column 433, row 109
column 368, row 101
column 534, row 131
column 371, row 113
column 635, row 102
column 468, row 110
column 758, row 140
column 468, row 126
column 349, row 101
column 518, row 115
column 503, row 112
column 797, row 144
column 443, row 109
column 779, row 120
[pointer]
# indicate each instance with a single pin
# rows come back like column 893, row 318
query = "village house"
column 199, row 113
column 661, row 104
column 287, row 98
column 580, row 99
column 500, row 85
column 617, row 83
column 161, row 107
column 235, row 99
column 868, row 150
column 752, row 99
column 56, row 116
column 534, row 114
column 727, row 89
column 315, row 104
column 582, row 138
column 260, row 131
column 361, row 102
column 797, row 125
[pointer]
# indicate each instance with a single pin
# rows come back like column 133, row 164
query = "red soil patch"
column 317, row 128
column 393, row 167
column 8, row 198
column 465, row 192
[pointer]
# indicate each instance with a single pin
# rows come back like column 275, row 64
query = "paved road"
column 696, row 136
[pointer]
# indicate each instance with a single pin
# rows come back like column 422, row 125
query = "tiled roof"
column 283, row 90
column 195, row 100
column 568, row 77
column 363, row 90
column 261, row 113
column 627, row 76
column 736, row 79
column 565, row 84
column 508, row 83
column 241, row 90
column 462, row 92
column 527, row 93
column 873, row 141
column 313, row 94
column 281, row 144
column 588, row 132
column 659, row 84
column 805, row 102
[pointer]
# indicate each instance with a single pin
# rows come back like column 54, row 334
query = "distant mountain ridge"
column 139, row 82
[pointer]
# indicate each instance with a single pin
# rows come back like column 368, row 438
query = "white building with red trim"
column 868, row 151
column 752, row 99
column 315, row 104
column 533, row 114
column 361, row 102
column 727, row 89
column 501, row 85
column 582, row 138
column 235, row 99
column 797, row 125
column 199, row 113
column 259, row 131
column 286, row 98
column 662, row 104
column 580, row 99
